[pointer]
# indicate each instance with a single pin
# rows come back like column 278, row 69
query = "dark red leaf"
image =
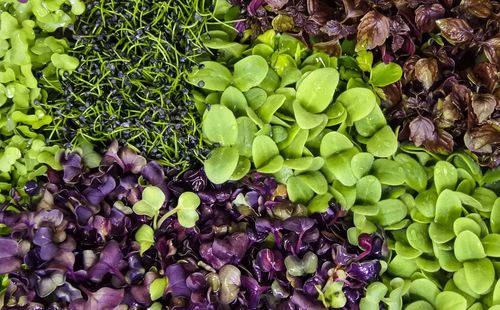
column 426, row 16
column 373, row 30
column 455, row 30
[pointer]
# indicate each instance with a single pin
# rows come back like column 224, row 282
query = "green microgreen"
column 131, row 84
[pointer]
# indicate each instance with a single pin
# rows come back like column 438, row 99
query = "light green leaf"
column 418, row 237
column 8, row 158
column 358, row 102
column 306, row 119
column 368, row 190
column 495, row 217
column 242, row 169
column 145, row 237
column 383, row 144
column 152, row 200
column 316, row 182
column 445, row 176
column 361, row 164
column 212, row 76
column 272, row 166
column 386, row 74
column 448, row 207
column 333, row 143
column 263, row 150
column 388, row 172
column 320, row 203
column 338, row 167
column 220, row 126
column 272, row 104
column 491, row 245
column 246, row 133
column 250, row 72
column 480, row 275
column 468, row 246
column 234, row 100
column 157, row 288
column 298, row 191
column 315, row 92
column 372, row 123
column 450, row 301
column 391, row 211
column 415, row 174
column 221, row 164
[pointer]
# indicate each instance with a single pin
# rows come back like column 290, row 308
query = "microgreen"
column 130, row 84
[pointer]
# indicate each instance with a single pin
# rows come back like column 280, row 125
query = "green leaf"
column 415, row 174
column 221, row 164
column 157, row 288
column 440, row 233
column 234, row 100
column 424, row 289
column 213, row 76
column 445, row 176
column 466, row 224
column 365, row 60
column 368, row 190
column 383, row 144
column 316, row 182
column 256, row 97
column 358, row 102
column 246, row 133
column 145, row 237
column 448, row 207
column 242, row 169
column 418, row 237
column 391, row 211
column 386, row 74
column 306, row 119
column 271, row 82
column 272, row 104
column 315, row 92
column 272, row 166
column 388, row 172
column 298, row 191
column 372, row 123
column 495, row 217
column 462, row 284
column 425, row 202
column 320, row 203
column 152, row 200
column 480, row 275
column 8, row 158
column 250, row 72
column 491, row 245
column 338, row 167
column 361, row 164
column 64, row 62
column 333, row 143
column 468, row 246
column 220, row 126
column 186, row 209
column 447, row 261
column 263, row 150
column 402, row 267
column 450, row 301
column 418, row 305
column 486, row 197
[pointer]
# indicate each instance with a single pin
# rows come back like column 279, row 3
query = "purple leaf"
column 373, row 30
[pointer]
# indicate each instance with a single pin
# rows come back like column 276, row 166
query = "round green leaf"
column 263, row 150
column 402, row 267
column 440, row 233
column 383, row 144
column 462, row 284
column 221, row 164
column 491, row 245
column 316, row 90
column 390, row 212
column 242, row 169
column 480, row 275
column 273, row 166
column 157, row 288
column 368, row 189
column 466, row 224
column 388, row 172
column 447, row 261
column 333, row 143
column 234, row 100
column 306, row 119
column 450, row 301
column 468, row 247
column 384, row 74
column 448, row 207
column 213, row 76
column 320, row 203
column 445, row 176
column 246, row 133
column 425, row 202
column 316, row 182
column 406, row 251
column 495, row 217
column 220, row 126
column 145, row 237
column 372, row 123
column 418, row 237
column 361, row 164
column 415, row 174
column 250, row 72
column 424, row 289
column 358, row 102
column 338, row 167
column 298, row 191
column 419, row 305
column 256, row 97
column 272, row 104
column 151, row 202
